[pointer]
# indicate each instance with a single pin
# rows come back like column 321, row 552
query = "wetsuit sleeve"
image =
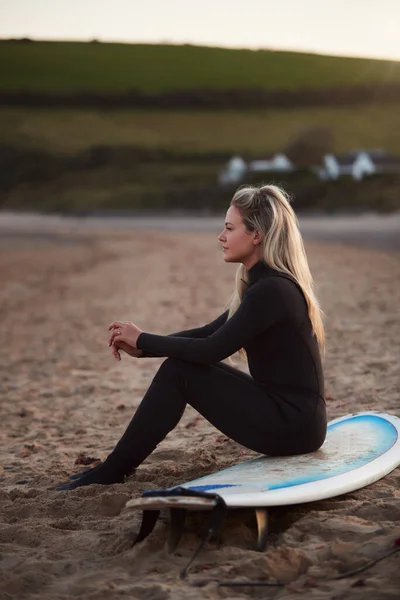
column 198, row 332
column 262, row 306
column 205, row 331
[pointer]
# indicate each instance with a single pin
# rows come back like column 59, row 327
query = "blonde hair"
column 267, row 208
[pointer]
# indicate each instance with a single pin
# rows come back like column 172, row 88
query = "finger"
column 121, row 345
column 114, row 324
column 117, row 324
column 112, row 336
column 116, row 353
column 116, row 333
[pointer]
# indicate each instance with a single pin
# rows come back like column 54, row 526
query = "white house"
column 237, row 167
column 358, row 164
column 278, row 162
column 234, row 171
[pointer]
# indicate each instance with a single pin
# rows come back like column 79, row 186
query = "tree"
column 309, row 145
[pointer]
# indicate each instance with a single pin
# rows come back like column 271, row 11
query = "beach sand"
column 63, row 395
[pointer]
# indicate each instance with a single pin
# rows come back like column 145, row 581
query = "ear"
column 257, row 239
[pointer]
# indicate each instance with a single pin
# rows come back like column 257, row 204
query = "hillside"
column 163, row 145
column 80, row 161
column 59, row 67
column 253, row 133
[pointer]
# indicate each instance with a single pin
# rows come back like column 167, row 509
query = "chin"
column 230, row 259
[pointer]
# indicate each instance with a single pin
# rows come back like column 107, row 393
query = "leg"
column 152, row 421
column 228, row 398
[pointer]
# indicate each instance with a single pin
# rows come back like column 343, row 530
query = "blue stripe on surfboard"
column 385, row 436
column 217, row 486
column 379, row 423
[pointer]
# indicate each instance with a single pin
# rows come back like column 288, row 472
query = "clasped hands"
column 124, row 335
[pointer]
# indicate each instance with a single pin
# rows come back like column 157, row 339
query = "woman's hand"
column 118, row 346
column 124, row 331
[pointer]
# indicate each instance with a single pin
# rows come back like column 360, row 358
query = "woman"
column 273, row 317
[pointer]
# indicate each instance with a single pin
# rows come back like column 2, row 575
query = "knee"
column 179, row 370
column 170, row 368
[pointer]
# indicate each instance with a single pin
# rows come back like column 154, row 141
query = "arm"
column 262, row 307
column 199, row 332
column 205, row 331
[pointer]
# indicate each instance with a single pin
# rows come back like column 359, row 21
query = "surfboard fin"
column 262, row 526
column 149, row 520
column 152, row 502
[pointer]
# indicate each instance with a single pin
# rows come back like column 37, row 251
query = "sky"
column 369, row 28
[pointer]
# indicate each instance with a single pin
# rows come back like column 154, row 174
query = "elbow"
column 205, row 353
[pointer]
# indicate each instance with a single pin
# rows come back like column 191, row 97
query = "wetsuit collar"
column 257, row 271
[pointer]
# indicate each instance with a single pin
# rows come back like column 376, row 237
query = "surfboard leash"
column 150, row 518
column 217, row 515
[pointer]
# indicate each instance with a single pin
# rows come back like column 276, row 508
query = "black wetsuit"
column 278, row 410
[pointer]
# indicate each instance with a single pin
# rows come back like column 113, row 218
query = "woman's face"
column 238, row 243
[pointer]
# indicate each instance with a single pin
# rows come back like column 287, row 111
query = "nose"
column 221, row 237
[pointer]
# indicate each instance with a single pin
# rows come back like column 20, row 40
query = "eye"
column 228, row 228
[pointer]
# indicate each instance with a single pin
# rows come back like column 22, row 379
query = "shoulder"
column 275, row 285
column 279, row 290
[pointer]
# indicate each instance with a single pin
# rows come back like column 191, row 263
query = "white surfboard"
column 359, row 449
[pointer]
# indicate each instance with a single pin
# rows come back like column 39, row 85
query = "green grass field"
column 197, row 132
column 105, row 67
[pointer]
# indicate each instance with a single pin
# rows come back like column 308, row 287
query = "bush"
column 309, row 146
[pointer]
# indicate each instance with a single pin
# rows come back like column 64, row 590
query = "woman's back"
column 285, row 357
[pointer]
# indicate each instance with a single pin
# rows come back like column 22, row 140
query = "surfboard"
column 359, row 449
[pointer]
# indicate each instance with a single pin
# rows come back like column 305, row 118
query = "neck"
column 251, row 261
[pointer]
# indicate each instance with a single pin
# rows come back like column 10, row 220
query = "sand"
column 64, row 396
